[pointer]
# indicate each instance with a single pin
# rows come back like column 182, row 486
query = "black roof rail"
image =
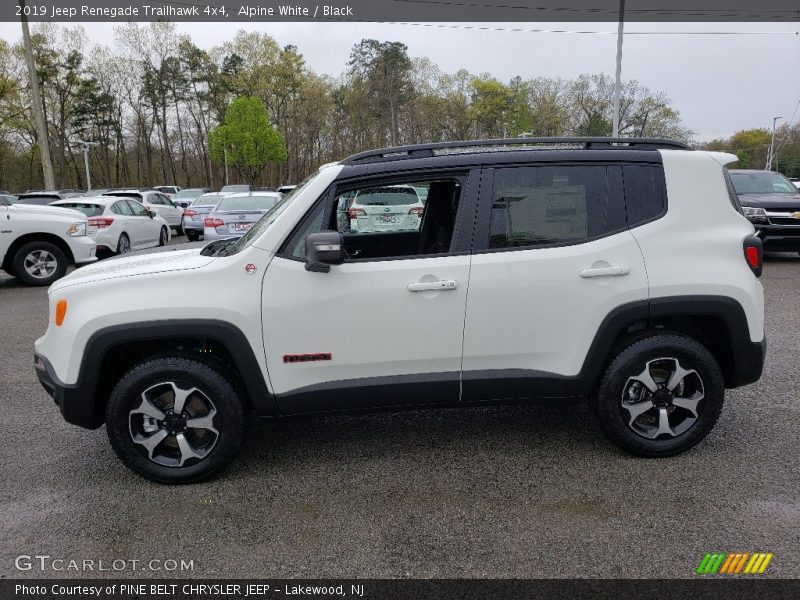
column 588, row 143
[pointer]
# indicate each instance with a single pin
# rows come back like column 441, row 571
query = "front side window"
column 401, row 219
column 547, row 205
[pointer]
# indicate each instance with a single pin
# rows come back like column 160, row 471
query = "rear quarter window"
column 645, row 193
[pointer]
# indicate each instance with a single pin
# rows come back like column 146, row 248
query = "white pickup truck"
column 38, row 242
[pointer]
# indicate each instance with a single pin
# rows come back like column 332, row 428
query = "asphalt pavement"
column 519, row 491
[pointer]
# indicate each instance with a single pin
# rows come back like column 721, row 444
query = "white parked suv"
column 37, row 243
column 540, row 269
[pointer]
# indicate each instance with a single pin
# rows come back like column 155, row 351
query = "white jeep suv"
column 37, row 243
column 540, row 269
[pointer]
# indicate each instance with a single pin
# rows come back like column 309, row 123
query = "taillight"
column 354, row 213
column 212, row 222
column 100, row 222
column 417, row 210
column 754, row 254
column 189, row 213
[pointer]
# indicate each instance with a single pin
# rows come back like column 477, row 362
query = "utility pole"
column 225, row 155
column 85, row 147
column 771, row 154
column 618, row 81
column 36, row 100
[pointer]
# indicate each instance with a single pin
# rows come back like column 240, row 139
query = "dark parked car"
column 772, row 203
column 40, row 198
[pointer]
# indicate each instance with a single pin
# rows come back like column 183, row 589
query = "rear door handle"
column 615, row 271
column 438, row 286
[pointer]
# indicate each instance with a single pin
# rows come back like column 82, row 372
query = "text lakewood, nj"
column 195, row 11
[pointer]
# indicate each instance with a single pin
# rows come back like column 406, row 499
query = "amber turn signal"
column 61, row 312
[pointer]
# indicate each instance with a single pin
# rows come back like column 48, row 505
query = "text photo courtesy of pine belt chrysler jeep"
column 539, row 269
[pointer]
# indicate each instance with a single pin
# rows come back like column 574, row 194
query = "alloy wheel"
column 40, row 264
column 664, row 400
column 174, row 424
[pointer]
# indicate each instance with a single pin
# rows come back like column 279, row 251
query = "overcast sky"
column 719, row 83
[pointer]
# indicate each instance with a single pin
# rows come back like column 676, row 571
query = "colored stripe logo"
column 727, row 563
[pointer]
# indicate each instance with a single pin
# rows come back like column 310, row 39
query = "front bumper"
column 74, row 401
column 83, row 248
column 781, row 233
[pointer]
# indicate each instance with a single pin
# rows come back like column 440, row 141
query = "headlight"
column 756, row 215
column 76, row 229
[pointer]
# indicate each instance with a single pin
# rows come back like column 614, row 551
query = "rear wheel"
column 175, row 420
column 660, row 396
column 192, row 236
column 180, row 229
column 39, row 263
column 124, row 244
column 162, row 237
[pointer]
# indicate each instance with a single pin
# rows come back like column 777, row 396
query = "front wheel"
column 192, row 236
column 163, row 237
column 175, row 420
column 180, row 229
column 39, row 263
column 660, row 396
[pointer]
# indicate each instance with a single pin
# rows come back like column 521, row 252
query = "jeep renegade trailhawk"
column 619, row 270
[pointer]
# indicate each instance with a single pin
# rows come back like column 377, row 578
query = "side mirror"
column 151, row 213
column 324, row 249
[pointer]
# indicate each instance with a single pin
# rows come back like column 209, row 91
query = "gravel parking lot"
column 495, row 492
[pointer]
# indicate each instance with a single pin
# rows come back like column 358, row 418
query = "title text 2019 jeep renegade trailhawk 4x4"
column 619, row 270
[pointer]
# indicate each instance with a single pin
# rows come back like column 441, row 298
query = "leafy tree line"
column 159, row 106
column 752, row 148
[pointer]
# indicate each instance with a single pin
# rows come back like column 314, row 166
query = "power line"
column 577, row 32
column 611, row 11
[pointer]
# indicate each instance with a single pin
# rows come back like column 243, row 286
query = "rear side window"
column 549, row 205
column 122, row 208
column 645, row 193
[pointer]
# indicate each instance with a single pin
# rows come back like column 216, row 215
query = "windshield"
column 230, row 247
column 262, row 202
column 188, row 194
column 387, row 196
column 761, row 182
column 90, row 210
column 134, row 195
column 38, row 200
column 235, row 188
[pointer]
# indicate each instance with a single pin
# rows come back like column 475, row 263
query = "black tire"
column 123, row 244
column 153, row 377
column 54, row 266
column 652, row 355
column 180, row 229
column 163, row 236
column 192, row 236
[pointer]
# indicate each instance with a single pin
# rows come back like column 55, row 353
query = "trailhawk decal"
column 293, row 358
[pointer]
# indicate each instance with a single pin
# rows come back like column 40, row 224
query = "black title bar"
column 238, row 11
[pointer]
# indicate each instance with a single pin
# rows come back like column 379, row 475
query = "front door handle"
column 437, row 286
column 615, row 271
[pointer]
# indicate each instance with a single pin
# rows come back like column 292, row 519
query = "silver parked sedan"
column 195, row 214
column 236, row 213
